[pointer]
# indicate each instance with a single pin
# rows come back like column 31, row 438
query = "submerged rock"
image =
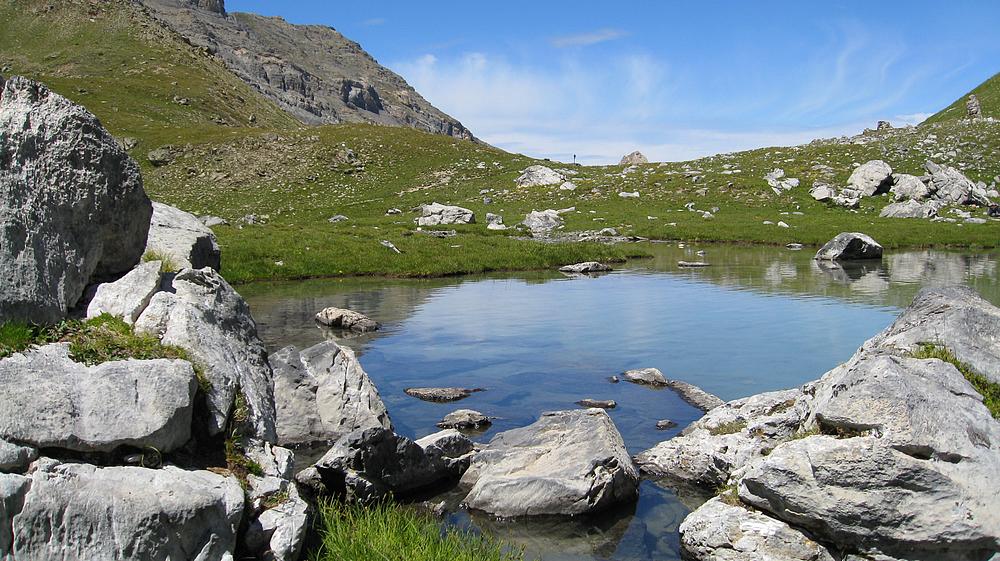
column 322, row 393
column 850, row 245
column 72, row 206
column 597, row 403
column 181, row 238
column 441, row 395
column 568, row 462
column 436, row 214
column 339, row 318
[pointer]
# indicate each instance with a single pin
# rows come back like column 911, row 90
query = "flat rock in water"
column 49, row 401
column 665, row 424
column 441, row 394
column 464, row 419
column 100, row 513
column 322, row 393
column 695, row 395
column 585, row 267
column 568, row 462
column 598, row 403
column 72, row 204
column 850, row 245
column 339, row 318
column 182, row 238
column 691, row 264
column 645, row 376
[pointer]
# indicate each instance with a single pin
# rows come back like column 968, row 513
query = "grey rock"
column 127, row 297
column 972, row 107
column 337, row 218
column 279, row 533
column 692, row 264
column 695, row 395
column 14, row 458
column 871, row 178
column 78, row 511
column 127, row 143
column 779, row 183
column 608, row 232
column 72, row 207
column 586, row 267
column 951, row 186
column 542, row 221
column 322, row 393
column 390, row 246
column 537, row 176
column 340, row 318
column 597, row 403
column 849, row 245
column 183, row 238
column 162, row 156
column 450, row 449
column 567, row 186
column 568, row 462
column 393, row 212
column 975, row 220
column 464, row 419
column 906, row 186
column 665, row 424
column 13, row 489
column 49, row 401
column 213, row 221
column 718, row 531
column 633, row 159
column 910, row 209
column 441, row 395
column 204, row 315
column 436, row 214
column 629, row 195
column 494, row 222
column 646, row 376
column 822, row 192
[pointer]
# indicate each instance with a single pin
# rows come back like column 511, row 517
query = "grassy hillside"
column 294, row 178
column 989, row 99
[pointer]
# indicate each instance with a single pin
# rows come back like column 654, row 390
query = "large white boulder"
column 322, row 393
column 436, row 214
column 871, row 178
column 182, row 238
column 72, row 206
column 537, row 176
column 202, row 314
column 49, row 401
column 567, row 462
column 542, row 221
column 128, row 296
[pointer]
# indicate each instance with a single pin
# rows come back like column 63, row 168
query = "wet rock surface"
column 441, row 395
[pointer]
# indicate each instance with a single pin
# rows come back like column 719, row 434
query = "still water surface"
column 758, row 319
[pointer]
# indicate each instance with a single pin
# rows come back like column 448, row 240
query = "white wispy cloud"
column 588, row 38
column 372, row 22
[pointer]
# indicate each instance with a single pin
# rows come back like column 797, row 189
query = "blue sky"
column 676, row 80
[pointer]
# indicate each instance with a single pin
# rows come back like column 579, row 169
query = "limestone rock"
column 568, row 462
column 586, row 267
column 850, row 245
column 822, row 192
column 78, row 511
column 646, row 376
column 597, row 403
column 340, row 318
column 910, row 209
column 211, row 321
column 972, row 107
column 72, row 206
column 436, row 214
column 464, row 419
column 278, row 533
column 542, row 221
column 441, row 395
column 182, row 238
column 13, row 488
column 633, row 159
column 494, row 222
column 871, row 178
column 723, row 532
column 906, row 186
column 15, row 458
column 951, row 186
column 49, row 401
column 695, row 395
column 322, row 394
column 537, row 176
column 127, row 297
column 449, row 448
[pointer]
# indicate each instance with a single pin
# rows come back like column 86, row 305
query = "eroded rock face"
column 212, row 322
column 127, row 297
column 871, row 178
column 537, row 176
column 78, row 511
column 436, row 214
column 850, row 245
column 322, row 394
column 49, row 401
column 951, row 186
column 72, row 206
column 568, row 462
column 182, row 238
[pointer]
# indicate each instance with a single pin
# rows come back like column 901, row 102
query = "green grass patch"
column 167, row 262
column 389, row 532
column 730, row 494
column 731, row 427
column 989, row 390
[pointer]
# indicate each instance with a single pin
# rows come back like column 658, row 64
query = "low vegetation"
column 731, row 427
column 390, row 532
column 989, row 390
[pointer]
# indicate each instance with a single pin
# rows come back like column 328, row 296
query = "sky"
column 675, row 80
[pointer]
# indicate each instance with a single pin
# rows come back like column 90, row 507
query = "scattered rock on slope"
column 871, row 178
column 633, row 159
column 436, row 214
column 183, row 239
column 951, row 186
column 542, row 221
column 910, row 209
column 72, row 204
column 537, row 176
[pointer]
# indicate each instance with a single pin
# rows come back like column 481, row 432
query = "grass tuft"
column 989, row 390
column 729, row 494
column 731, row 427
column 167, row 262
column 389, row 532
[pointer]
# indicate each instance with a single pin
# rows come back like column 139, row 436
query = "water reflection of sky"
column 759, row 319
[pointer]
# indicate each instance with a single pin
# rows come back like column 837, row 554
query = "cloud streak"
column 587, row 39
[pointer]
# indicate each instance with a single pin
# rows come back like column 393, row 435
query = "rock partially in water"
column 49, row 401
column 127, row 297
column 645, row 376
column 72, row 204
column 598, row 403
column 436, row 214
column 665, row 424
column 692, row 264
column 724, row 532
column 441, row 395
column 695, row 395
column 537, row 176
column 568, row 462
column 116, row 512
column 322, row 393
column 586, row 267
column 203, row 315
column 464, row 419
column 850, row 245
column 183, row 239
column 339, row 318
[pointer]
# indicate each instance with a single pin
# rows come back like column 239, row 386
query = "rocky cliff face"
column 311, row 71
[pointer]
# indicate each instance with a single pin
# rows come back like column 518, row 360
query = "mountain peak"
column 217, row 6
